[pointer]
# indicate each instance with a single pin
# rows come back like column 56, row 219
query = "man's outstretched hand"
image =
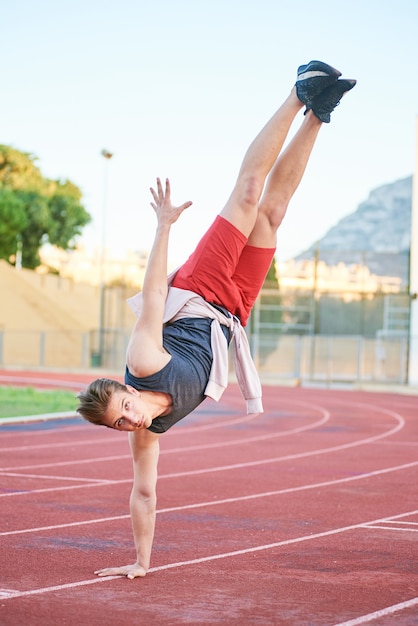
column 166, row 212
column 130, row 571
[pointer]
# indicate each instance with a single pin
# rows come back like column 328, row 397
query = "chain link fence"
column 325, row 319
column 291, row 337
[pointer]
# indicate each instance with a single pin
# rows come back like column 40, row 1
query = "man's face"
column 127, row 411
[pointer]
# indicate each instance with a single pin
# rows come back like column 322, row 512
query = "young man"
column 177, row 354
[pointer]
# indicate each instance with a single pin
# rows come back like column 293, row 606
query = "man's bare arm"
column 145, row 350
column 143, row 503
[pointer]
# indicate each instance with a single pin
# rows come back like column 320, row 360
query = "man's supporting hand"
column 130, row 571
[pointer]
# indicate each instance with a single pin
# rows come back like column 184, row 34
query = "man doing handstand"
column 177, row 352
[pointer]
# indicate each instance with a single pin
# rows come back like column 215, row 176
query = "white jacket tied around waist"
column 182, row 303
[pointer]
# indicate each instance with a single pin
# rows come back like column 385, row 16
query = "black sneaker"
column 327, row 100
column 314, row 78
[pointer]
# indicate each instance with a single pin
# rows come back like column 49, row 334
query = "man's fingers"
column 167, row 189
column 154, row 194
column 162, row 201
column 109, row 571
column 129, row 571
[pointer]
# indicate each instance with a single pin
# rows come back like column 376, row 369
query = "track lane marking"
column 403, row 530
column 389, row 610
column 213, row 557
column 74, row 385
column 299, row 455
column 164, row 452
column 184, row 430
column 94, row 441
column 53, row 446
column 265, row 494
column 52, row 477
column 220, row 468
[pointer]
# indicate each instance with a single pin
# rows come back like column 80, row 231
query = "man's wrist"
column 163, row 226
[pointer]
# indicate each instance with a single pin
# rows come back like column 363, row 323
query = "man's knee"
column 272, row 213
column 249, row 190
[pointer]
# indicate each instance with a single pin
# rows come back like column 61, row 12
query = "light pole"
column 413, row 279
column 100, row 348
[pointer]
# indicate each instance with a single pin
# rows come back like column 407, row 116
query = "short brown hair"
column 94, row 401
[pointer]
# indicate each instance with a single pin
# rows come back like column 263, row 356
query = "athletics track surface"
column 304, row 516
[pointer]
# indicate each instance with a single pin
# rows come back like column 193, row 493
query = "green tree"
column 13, row 220
column 67, row 215
column 35, row 210
column 35, row 232
column 271, row 281
column 270, row 299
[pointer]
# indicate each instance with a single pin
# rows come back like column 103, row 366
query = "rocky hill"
column 377, row 233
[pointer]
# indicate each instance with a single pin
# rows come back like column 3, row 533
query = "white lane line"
column 407, row 523
column 64, row 444
column 104, row 481
column 100, row 459
column 223, row 468
column 325, row 413
column 10, row 433
column 388, row 527
column 266, row 494
column 76, row 385
column 115, row 518
column 34, row 592
column 29, row 492
column 219, row 423
column 389, row 610
column 8, row 593
column 220, row 444
column 4, row 470
column 400, row 443
column 41, row 417
column 300, row 455
column 213, row 557
column 283, row 433
column 77, row 442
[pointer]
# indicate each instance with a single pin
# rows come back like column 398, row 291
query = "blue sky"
column 180, row 89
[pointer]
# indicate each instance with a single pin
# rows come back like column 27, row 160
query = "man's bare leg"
column 320, row 89
column 242, row 206
column 282, row 183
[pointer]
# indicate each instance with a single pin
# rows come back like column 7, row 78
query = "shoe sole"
column 316, row 68
column 316, row 74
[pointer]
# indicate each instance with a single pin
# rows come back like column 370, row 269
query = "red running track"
column 306, row 515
